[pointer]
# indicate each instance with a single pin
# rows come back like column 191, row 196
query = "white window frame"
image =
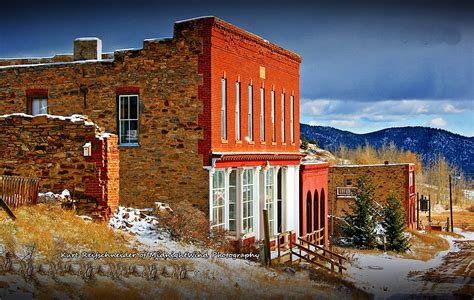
column 220, row 208
column 250, row 213
column 292, row 125
column 262, row 114
column 283, row 137
column 270, row 200
column 236, row 203
column 128, row 96
column 224, row 109
column 273, row 117
column 237, row 111
column 250, row 113
column 42, row 106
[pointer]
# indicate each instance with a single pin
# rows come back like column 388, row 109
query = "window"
column 237, row 111
column 233, row 201
column 292, row 125
column 247, row 201
column 411, row 178
column 250, row 115
column 269, row 202
column 262, row 114
column 224, row 110
column 282, row 117
column 39, row 105
column 348, row 181
column 128, row 119
column 218, row 200
column 273, row 117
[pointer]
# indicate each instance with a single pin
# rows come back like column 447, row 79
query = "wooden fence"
column 17, row 191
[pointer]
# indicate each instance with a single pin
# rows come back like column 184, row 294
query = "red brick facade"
column 314, row 198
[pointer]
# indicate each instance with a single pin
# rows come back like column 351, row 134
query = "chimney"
column 87, row 48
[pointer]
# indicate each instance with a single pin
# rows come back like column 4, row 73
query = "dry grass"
column 52, row 230
column 425, row 246
column 462, row 219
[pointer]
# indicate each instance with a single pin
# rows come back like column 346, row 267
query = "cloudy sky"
column 367, row 65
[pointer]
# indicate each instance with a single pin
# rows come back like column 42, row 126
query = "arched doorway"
column 308, row 213
column 322, row 210
column 316, row 210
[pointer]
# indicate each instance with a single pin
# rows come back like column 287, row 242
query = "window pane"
column 133, row 107
column 133, row 132
column 35, row 107
column 123, row 107
column 123, row 132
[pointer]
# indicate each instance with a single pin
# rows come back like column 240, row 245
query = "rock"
column 190, row 274
column 15, row 267
column 44, row 268
column 74, row 269
column 168, row 270
column 289, row 270
column 104, row 269
column 138, row 270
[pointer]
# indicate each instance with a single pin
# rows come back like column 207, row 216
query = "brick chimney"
column 87, row 48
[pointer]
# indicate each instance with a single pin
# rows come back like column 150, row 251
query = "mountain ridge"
column 426, row 141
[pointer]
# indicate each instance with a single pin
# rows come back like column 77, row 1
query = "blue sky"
column 367, row 65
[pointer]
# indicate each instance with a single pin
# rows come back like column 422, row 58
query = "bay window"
column 218, row 200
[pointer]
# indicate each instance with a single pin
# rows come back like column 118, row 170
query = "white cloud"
column 343, row 123
column 438, row 122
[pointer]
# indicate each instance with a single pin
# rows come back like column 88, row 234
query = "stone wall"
column 51, row 148
column 166, row 166
column 386, row 179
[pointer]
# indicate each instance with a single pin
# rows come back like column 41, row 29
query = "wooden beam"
column 5, row 206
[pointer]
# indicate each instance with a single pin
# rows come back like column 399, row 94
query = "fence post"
column 266, row 231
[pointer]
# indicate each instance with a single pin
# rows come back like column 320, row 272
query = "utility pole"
column 429, row 209
column 417, row 211
column 451, row 203
column 266, row 231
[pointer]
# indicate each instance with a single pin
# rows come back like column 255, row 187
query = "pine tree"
column 393, row 222
column 361, row 222
column 304, row 143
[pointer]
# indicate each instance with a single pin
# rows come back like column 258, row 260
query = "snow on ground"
column 216, row 275
column 388, row 276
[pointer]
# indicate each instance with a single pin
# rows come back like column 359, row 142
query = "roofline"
column 219, row 23
column 372, row 165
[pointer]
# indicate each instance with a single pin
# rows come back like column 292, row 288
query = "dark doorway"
column 316, row 210
column 308, row 213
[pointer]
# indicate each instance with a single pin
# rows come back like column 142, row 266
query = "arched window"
column 316, row 210
column 322, row 210
column 308, row 213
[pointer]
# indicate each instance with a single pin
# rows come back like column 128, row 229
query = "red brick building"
column 209, row 116
column 314, row 199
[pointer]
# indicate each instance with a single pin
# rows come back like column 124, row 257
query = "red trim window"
column 37, row 101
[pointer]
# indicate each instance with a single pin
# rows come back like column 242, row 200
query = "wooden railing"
column 307, row 248
column 347, row 191
column 17, row 191
column 328, row 260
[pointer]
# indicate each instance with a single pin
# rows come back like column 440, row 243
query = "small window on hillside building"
column 348, row 181
column 128, row 119
column 38, row 105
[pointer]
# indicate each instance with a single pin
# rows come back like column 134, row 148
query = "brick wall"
column 166, row 166
column 51, row 148
column 178, row 82
column 314, row 188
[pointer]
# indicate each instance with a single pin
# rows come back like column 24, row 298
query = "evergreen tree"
column 361, row 222
column 304, row 143
column 393, row 222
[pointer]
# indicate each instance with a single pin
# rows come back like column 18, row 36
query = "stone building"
column 209, row 116
column 396, row 179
